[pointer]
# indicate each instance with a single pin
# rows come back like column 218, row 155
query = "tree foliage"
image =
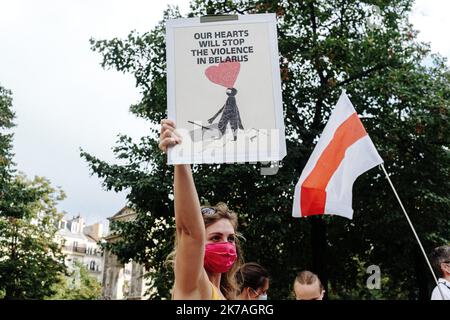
column 402, row 92
column 30, row 260
column 79, row 285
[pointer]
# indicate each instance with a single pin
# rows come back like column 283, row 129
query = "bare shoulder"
column 203, row 291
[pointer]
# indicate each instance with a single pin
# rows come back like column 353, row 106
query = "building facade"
column 122, row 281
column 80, row 245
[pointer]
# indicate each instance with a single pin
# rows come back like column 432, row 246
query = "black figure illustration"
column 230, row 114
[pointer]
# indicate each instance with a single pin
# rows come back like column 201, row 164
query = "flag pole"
column 414, row 231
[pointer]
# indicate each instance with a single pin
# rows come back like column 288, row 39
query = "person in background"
column 440, row 259
column 307, row 286
column 253, row 281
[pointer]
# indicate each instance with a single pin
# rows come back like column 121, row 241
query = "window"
column 92, row 266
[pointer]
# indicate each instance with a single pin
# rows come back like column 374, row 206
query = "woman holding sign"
column 207, row 251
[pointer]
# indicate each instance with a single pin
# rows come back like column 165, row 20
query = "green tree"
column 79, row 285
column 30, row 259
column 400, row 89
column 6, row 123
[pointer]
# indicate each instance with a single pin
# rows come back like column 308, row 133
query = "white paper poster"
column 224, row 90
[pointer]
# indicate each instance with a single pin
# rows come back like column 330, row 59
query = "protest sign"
column 224, row 90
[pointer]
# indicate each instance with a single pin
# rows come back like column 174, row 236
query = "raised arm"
column 190, row 277
column 189, row 271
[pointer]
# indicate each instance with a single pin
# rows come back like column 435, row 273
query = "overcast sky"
column 64, row 100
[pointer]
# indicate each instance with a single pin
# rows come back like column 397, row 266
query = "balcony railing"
column 77, row 249
column 94, row 253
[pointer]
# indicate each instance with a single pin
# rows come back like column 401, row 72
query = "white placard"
column 224, row 90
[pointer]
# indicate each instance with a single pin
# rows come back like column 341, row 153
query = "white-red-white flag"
column 343, row 152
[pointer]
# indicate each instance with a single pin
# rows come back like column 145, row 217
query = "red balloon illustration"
column 224, row 74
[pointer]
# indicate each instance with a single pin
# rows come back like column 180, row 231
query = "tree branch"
column 362, row 74
column 323, row 78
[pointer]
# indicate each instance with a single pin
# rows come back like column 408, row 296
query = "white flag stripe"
column 296, row 206
column 359, row 158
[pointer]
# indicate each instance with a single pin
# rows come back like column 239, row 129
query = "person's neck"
column 215, row 279
column 446, row 277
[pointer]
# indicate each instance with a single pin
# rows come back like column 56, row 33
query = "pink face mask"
column 219, row 257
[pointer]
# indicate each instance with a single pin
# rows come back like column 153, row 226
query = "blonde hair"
column 228, row 284
column 308, row 278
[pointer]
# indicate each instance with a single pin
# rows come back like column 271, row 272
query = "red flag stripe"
column 313, row 194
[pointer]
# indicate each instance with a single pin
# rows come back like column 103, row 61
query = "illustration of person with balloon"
column 224, row 74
